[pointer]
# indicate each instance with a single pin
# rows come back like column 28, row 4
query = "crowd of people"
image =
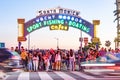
column 39, row 60
column 48, row 60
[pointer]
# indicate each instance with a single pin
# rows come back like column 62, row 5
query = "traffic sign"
column 2, row 45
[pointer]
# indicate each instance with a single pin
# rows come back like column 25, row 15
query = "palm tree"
column 92, row 45
column 107, row 43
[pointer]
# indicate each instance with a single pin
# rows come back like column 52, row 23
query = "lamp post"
column 57, row 42
column 29, row 42
column 81, row 40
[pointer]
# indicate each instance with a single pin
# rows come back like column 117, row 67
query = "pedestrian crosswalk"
column 44, row 76
column 60, row 75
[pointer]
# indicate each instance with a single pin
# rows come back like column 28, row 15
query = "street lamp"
column 29, row 42
column 57, row 42
column 81, row 40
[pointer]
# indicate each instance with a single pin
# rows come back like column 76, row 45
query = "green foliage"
column 92, row 45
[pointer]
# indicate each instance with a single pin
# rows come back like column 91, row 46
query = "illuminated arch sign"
column 56, row 19
column 58, row 22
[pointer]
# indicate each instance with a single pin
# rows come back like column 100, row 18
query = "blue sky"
column 11, row 10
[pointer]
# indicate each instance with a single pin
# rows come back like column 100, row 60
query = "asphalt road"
column 63, row 75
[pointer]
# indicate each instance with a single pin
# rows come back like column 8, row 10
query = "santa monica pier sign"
column 56, row 19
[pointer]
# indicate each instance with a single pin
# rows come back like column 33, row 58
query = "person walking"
column 30, row 62
column 35, row 61
column 24, row 58
column 58, row 60
column 47, row 60
column 72, row 60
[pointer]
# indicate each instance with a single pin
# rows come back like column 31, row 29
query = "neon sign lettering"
column 59, row 27
column 79, row 26
column 51, row 22
column 45, row 18
column 34, row 27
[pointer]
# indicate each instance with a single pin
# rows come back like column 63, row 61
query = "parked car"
column 9, row 60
